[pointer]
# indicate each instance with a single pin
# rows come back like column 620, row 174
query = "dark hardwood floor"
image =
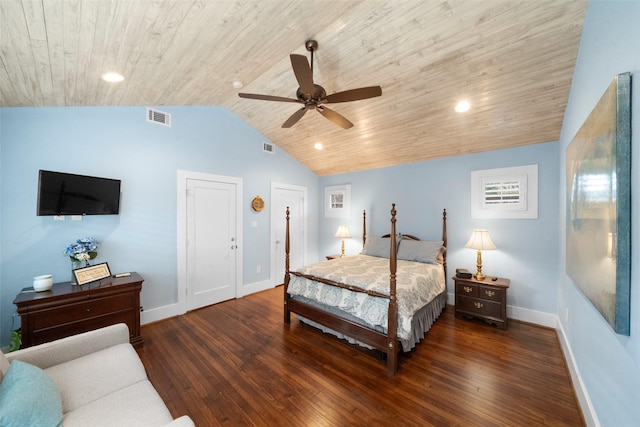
column 237, row 363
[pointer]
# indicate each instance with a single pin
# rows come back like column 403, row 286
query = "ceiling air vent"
column 159, row 117
column 268, row 148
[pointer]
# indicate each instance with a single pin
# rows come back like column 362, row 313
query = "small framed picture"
column 337, row 201
column 92, row 273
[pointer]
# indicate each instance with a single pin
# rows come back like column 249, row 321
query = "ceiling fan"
column 313, row 96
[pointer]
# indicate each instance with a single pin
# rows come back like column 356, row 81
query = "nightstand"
column 483, row 299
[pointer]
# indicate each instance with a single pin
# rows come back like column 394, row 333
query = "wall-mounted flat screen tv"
column 69, row 194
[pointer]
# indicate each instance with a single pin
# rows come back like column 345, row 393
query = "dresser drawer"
column 40, row 336
column 83, row 310
column 491, row 293
column 480, row 307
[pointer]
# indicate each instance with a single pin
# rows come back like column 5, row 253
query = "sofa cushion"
column 28, row 397
column 91, row 377
column 4, row 365
column 136, row 405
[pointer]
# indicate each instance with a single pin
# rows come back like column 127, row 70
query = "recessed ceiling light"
column 318, row 146
column 237, row 84
column 462, row 106
column 112, row 77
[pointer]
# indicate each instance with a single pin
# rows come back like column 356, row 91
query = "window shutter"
column 504, row 192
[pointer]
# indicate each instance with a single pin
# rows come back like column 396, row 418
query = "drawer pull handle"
column 489, row 293
column 88, row 310
column 467, row 289
column 478, row 304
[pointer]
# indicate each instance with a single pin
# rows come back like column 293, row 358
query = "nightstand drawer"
column 480, row 307
column 467, row 289
column 490, row 293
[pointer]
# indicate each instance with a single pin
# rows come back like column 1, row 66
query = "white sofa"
column 100, row 379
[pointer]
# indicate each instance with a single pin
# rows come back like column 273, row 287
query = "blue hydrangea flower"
column 81, row 248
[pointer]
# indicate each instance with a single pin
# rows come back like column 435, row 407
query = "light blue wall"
column 526, row 249
column 609, row 364
column 117, row 142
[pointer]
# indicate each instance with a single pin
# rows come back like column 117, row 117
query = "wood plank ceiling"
column 512, row 60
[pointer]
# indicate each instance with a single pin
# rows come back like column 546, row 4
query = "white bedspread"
column 416, row 285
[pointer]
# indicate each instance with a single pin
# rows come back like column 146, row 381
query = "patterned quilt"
column 416, row 285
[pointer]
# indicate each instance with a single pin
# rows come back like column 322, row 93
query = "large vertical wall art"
column 599, row 205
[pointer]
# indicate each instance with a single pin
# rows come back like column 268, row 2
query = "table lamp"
column 343, row 233
column 480, row 241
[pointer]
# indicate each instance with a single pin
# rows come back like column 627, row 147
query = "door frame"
column 183, row 176
column 279, row 216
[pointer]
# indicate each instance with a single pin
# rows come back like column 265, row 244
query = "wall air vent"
column 159, row 117
column 268, row 148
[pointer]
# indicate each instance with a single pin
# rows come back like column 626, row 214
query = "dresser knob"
column 467, row 289
column 478, row 304
column 489, row 293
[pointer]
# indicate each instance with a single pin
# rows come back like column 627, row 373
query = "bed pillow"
column 377, row 246
column 29, row 397
column 425, row 251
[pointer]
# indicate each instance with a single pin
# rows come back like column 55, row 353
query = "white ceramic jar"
column 42, row 283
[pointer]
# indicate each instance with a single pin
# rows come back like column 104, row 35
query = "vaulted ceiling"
column 512, row 60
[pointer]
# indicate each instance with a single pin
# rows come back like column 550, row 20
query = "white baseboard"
column 252, row 288
column 159, row 313
column 588, row 411
column 171, row 310
column 532, row 316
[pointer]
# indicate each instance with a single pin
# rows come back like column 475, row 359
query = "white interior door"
column 213, row 257
column 295, row 197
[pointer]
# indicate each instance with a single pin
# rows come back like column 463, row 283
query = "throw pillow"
column 29, row 397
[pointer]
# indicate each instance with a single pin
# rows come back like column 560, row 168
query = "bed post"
column 392, row 317
column 364, row 228
column 287, row 276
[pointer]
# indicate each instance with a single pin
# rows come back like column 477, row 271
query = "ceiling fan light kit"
column 313, row 96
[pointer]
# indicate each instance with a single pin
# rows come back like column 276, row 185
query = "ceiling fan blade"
column 354, row 94
column 303, row 73
column 294, row 118
column 334, row 117
column 267, row 97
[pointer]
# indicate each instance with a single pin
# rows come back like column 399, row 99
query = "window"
column 505, row 193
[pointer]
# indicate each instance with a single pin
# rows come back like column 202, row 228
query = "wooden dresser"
column 69, row 309
column 484, row 299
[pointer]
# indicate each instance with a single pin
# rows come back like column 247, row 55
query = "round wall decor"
column 257, row 204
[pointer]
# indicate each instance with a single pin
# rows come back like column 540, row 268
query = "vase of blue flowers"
column 80, row 253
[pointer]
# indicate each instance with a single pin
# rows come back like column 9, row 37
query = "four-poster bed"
column 385, row 298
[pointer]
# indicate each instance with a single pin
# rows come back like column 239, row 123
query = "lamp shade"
column 343, row 232
column 480, row 240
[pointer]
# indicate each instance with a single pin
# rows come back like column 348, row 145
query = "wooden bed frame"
column 388, row 343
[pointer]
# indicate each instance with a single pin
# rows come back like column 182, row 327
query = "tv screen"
column 68, row 194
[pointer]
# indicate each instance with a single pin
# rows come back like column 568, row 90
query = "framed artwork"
column 598, row 250
column 337, row 201
column 91, row 273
